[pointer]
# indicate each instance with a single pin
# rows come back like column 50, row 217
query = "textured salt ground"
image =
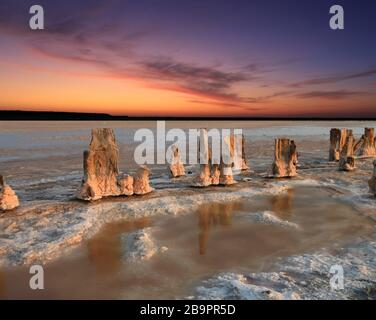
column 301, row 277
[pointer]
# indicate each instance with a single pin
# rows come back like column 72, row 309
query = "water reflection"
column 282, row 205
column 221, row 215
column 214, row 214
column 2, row 285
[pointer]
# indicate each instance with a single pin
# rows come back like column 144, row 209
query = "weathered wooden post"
column 203, row 178
column 215, row 174
column 101, row 173
column 100, row 166
column 227, row 159
column 285, row 158
column 8, row 198
column 337, row 142
column 176, row 166
column 141, row 183
column 238, row 147
column 366, row 145
column 347, row 160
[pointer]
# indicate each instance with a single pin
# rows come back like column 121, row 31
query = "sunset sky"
column 196, row 57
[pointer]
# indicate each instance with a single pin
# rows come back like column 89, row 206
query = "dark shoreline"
column 19, row 115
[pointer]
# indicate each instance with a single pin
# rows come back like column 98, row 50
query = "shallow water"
column 214, row 238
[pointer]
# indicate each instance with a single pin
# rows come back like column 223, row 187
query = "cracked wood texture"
column 285, row 158
column 347, row 160
column 8, row 198
column 100, row 166
column 337, row 142
column 176, row 166
column 366, row 145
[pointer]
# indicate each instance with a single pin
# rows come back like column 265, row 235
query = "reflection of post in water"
column 213, row 214
column 2, row 285
column 282, row 204
column 105, row 248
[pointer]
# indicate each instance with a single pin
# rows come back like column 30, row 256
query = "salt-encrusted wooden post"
column 176, row 166
column 203, row 178
column 215, row 174
column 227, row 159
column 101, row 173
column 366, row 145
column 141, row 184
column 347, row 160
column 285, row 158
column 8, row 198
column 238, row 147
column 337, row 142
column 100, row 166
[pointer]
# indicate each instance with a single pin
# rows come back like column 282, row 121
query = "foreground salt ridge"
column 304, row 276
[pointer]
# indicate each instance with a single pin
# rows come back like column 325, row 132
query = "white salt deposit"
column 301, row 277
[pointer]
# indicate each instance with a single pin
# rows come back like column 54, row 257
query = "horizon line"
column 26, row 115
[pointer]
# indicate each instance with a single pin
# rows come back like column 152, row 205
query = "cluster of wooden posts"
column 345, row 149
column 102, row 178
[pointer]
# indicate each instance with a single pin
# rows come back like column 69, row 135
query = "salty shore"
column 50, row 223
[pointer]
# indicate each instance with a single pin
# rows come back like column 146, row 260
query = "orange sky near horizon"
column 64, row 88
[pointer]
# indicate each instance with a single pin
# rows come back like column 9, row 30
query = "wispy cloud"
column 247, row 104
column 334, row 78
column 226, row 104
column 202, row 80
column 333, row 95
